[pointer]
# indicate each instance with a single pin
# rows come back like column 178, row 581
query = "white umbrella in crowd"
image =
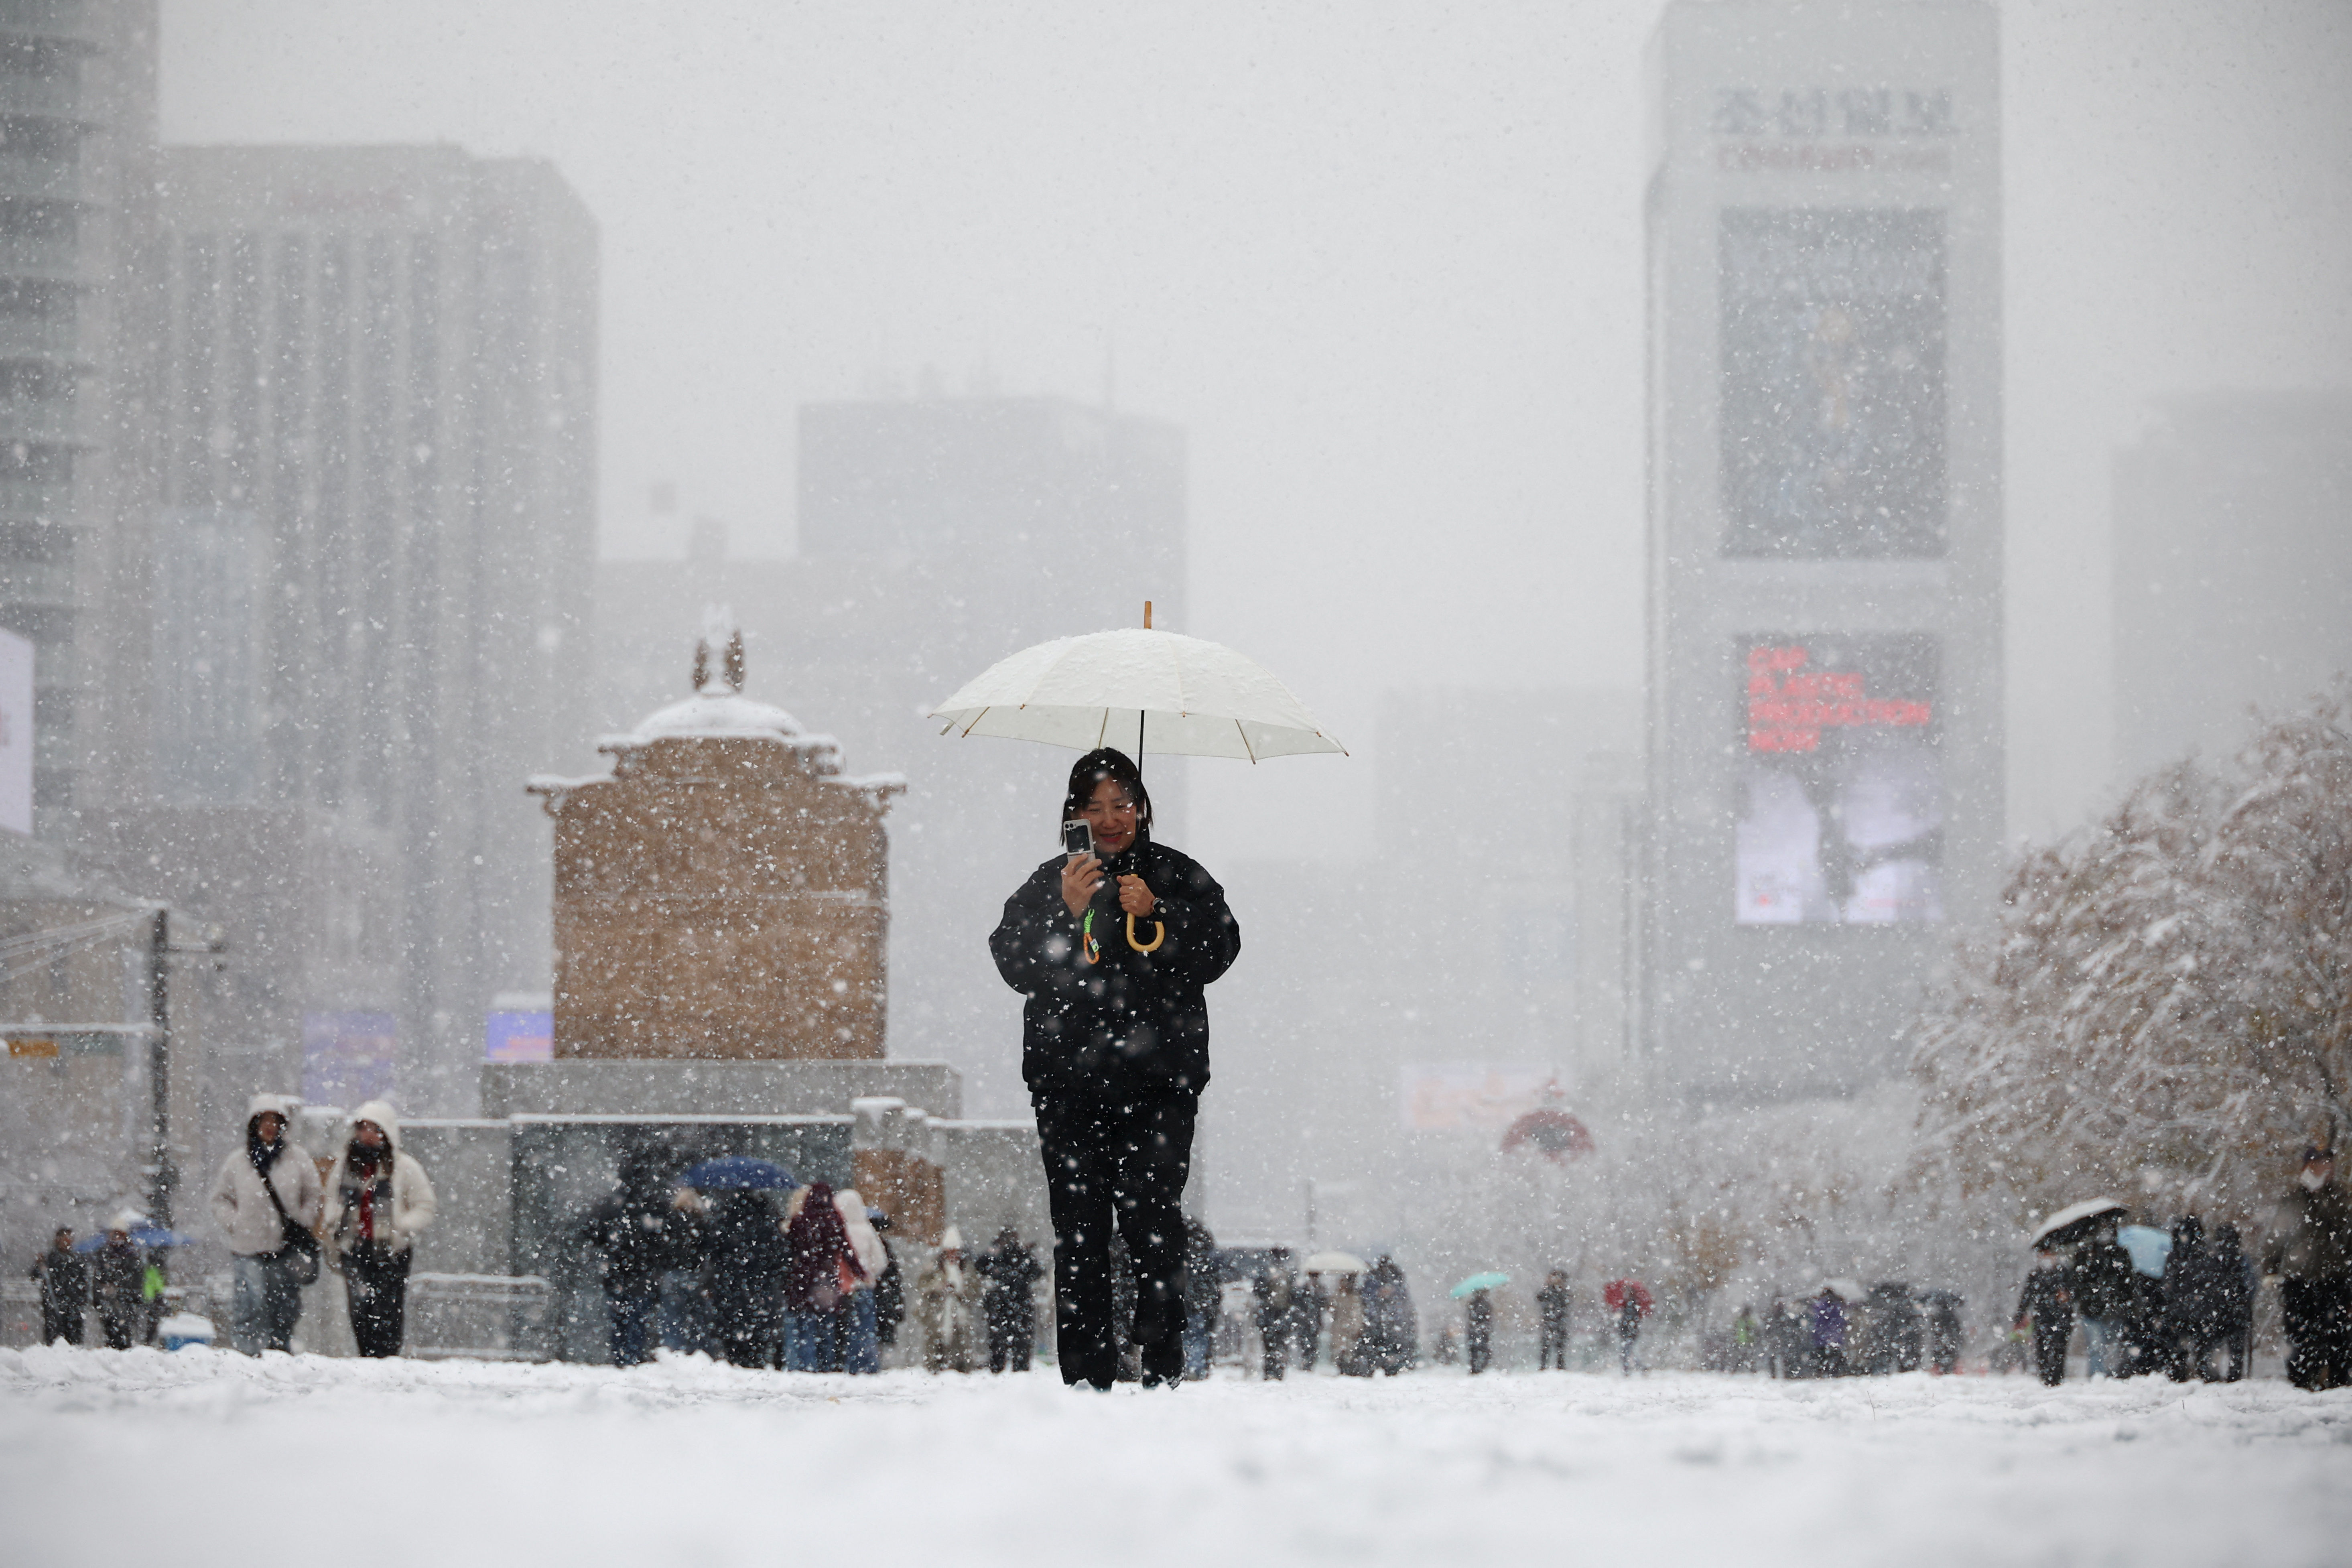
column 1142, row 692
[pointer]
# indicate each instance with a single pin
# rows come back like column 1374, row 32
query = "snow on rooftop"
column 715, row 712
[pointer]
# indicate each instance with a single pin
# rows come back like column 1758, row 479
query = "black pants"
column 122, row 1321
column 60, row 1324
column 1482, row 1347
column 2318, row 1315
column 377, row 1285
column 1551, row 1350
column 1123, row 1163
column 1010, row 1344
column 2050, row 1348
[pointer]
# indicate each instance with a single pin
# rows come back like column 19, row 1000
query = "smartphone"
column 1077, row 838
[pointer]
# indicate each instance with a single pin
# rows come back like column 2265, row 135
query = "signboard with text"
column 512, row 1037
column 1841, row 786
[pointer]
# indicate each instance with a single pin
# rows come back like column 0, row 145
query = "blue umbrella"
column 2148, row 1247
column 151, row 1236
column 738, row 1173
column 1477, row 1282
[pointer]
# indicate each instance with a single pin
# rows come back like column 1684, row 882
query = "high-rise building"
column 77, row 173
column 937, row 535
column 368, row 508
column 2233, row 569
column 1825, row 737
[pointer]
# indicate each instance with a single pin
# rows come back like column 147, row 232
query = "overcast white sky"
column 1382, row 262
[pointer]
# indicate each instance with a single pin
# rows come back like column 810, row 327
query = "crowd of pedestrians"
column 802, row 1280
column 2185, row 1308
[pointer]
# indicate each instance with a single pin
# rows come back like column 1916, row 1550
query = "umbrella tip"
column 1147, row 615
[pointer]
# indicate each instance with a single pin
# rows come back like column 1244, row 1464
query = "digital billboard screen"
column 1842, row 781
column 1832, row 382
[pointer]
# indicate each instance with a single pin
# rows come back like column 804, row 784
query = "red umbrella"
column 1551, row 1133
column 1613, row 1294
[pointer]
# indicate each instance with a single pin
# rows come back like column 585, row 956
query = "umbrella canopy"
column 2148, row 1247
column 1333, row 1263
column 1613, row 1294
column 1844, row 1290
column 149, row 1235
column 2075, row 1222
column 1477, row 1282
column 1140, row 691
column 737, row 1173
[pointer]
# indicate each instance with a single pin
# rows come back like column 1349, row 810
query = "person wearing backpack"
column 265, row 1202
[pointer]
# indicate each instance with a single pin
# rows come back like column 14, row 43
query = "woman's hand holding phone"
column 1081, row 874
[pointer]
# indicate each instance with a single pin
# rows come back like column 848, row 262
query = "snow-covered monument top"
column 723, row 893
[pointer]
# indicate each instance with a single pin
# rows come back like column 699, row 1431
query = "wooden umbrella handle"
column 1158, row 935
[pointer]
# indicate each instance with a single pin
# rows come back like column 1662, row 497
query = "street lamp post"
column 162, row 1176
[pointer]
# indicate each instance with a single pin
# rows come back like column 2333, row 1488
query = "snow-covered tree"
column 2166, row 1002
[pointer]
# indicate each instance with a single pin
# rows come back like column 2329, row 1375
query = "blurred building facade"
column 1395, row 1015
column 77, row 181
column 1826, row 735
column 2233, row 569
column 937, row 535
column 360, row 554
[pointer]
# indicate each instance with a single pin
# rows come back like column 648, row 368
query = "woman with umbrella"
column 1113, row 947
column 1630, row 1300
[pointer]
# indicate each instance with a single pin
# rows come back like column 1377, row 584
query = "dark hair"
column 1104, row 762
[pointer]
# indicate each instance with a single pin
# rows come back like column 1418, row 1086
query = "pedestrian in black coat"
column 1478, row 1329
column 643, row 1229
column 1008, row 1301
column 1551, row 1306
column 2049, row 1304
column 2105, row 1287
column 750, row 1257
column 119, row 1281
column 65, row 1289
column 2233, row 1308
column 1390, row 1324
column 890, row 1288
column 1113, row 951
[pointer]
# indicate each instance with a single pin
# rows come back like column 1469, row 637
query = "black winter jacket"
column 1134, row 1023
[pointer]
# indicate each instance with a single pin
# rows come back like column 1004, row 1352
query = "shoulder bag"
column 300, row 1251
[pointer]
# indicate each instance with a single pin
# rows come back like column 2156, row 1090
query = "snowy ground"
column 429, row 1463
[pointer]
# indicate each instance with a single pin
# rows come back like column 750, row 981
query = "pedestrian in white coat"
column 377, row 1201
column 267, row 1303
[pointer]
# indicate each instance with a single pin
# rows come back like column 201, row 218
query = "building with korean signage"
column 1825, row 753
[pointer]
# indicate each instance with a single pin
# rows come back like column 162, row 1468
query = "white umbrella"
column 1140, row 691
column 1333, row 1263
column 2071, row 1217
column 1845, row 1290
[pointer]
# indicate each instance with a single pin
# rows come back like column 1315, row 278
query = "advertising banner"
column 348, row 1057
column 1842, row 781
column 1833, row 397
column 518, row 1037
column 1469, row 1097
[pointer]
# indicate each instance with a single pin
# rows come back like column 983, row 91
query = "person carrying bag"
column 265, row 1200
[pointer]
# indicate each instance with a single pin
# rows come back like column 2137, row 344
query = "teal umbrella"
column 1477, row 1282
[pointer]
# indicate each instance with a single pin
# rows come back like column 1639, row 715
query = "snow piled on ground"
column 103, row 1455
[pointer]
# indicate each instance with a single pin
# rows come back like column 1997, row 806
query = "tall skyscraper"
column 1825, row 739
column 77, row 173
column 2233, row 569
column 369, row 510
